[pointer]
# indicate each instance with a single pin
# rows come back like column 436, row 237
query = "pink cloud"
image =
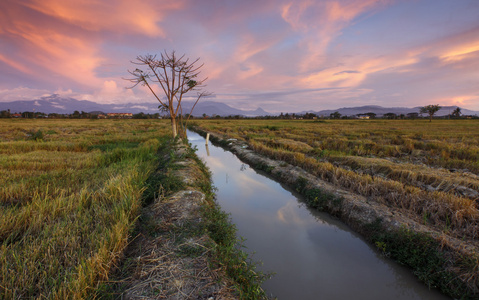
column 322, row 21
column 249, row 48
column 117, row 16
column 56, row 38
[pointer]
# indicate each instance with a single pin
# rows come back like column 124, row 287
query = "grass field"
column 428, row 169
column 71, row 190
column 426, row 172
column 70, row 194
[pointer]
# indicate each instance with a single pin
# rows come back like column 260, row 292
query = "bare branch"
column 202, row 94
column 177, row 76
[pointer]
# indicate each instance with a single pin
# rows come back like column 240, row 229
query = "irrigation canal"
column 312, row 255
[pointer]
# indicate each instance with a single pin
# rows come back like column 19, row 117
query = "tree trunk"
column 173, row 127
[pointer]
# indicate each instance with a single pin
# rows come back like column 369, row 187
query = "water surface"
column 313, row 255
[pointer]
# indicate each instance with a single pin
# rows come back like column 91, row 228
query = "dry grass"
column 173, row 260
column 402, row 163
column 71, row 192
column 185, row 248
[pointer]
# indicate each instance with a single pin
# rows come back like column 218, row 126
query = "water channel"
column 312, row 255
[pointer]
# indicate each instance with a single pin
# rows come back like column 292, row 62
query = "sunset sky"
column 281, row 55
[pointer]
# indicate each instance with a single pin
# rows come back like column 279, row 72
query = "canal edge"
column 453, row 267
column 185, row 246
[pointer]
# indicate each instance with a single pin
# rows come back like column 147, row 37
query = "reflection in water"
column 207, row 150
column 313, row 255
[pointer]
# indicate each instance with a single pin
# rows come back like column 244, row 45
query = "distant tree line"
column 430, row 110
column 76, row 115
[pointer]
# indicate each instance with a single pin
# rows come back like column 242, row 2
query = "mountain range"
column 60, row 105
column 57, row 104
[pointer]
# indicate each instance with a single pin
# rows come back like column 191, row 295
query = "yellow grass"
column 69, row 200
column 402, row 163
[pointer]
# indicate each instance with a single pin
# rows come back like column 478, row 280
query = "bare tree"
column 177, row 76
column 430, row 110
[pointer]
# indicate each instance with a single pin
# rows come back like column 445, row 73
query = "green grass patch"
column 316, row 198
column 423, row 255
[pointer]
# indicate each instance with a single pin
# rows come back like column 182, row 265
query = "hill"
column 61, row 105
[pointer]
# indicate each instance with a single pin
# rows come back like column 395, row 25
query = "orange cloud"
column 462, row 100
column 56, row 38
column 59, row 53
column 460, row 52
column 20, row 67
column 358, row 70
column 117, row 16
column 453, row 48
column 241, row 65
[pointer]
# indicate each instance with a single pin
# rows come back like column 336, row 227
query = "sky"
column 280, row 55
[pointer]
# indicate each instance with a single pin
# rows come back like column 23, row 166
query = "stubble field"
column 70, row 194
column 71, row 190
column 427, row 171
column 430, row 169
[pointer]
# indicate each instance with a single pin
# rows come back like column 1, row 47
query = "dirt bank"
column 436, row 258
column 173, row 255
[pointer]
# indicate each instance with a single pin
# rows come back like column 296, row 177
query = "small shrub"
column 35, row 135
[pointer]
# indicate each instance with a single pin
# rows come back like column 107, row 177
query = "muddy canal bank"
column 435, row 258
column 184, row 245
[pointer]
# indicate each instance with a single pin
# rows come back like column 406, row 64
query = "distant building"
column 363, row 117
column 16, row 115
column 120, row 115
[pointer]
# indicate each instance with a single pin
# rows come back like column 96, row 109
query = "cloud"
column 249, row 70
column 56, row 40
column 113, row 91
column 332, row 14
column 462, row 51
column 22, row 93
column 347, row 72
column 278, row 101
column 437, row 71
column 279, row 54
column 141, row 17
column 321, row 22
column 141, row 107
column 18, row 66
column 462, row 101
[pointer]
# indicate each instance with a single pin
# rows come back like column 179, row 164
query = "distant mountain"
column 380, row 111
column 217, row 108
column 60, row 105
